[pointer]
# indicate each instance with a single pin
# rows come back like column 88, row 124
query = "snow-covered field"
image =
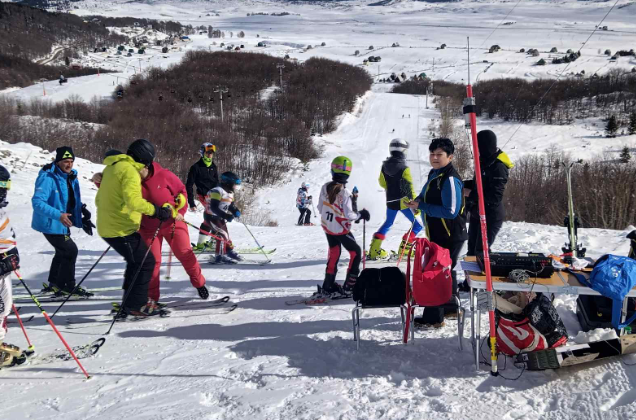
column 268, row 360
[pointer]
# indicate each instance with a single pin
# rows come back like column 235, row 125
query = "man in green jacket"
column 120, row 206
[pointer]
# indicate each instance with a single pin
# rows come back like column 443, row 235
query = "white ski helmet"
column 304, row 185
column 398, row 145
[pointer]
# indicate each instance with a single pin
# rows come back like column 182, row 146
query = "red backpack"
column 432, row 282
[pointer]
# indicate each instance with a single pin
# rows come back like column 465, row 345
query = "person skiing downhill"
column 303, row 204
column 120, row 206
column 9, row 261
column 220, row 208
column 395, row 178
column 204, row 176
column 336, row 213
column 57, row 205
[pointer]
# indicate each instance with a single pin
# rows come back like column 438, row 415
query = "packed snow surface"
column 269, row 360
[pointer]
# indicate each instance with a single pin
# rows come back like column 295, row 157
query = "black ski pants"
column 62, row 272
column 493, row 226
column 134, row 249
column 305, row 216
column 336, row 242
column 435, row 314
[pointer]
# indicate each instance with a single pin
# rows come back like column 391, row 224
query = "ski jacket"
column 119, row 201
column 336, row 218
column 442, row 205
column 220, row 203
column 302, row 202
column 494, row 175
column 161, row 187
column 51, row 198
column 203, row 177
column 395, row 178
column 7, row 235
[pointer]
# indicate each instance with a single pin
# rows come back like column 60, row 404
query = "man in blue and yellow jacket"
column 57, row 205
column 442, row 204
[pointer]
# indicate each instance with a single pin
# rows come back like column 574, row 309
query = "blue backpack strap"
column 617, row 307
column 581, row 278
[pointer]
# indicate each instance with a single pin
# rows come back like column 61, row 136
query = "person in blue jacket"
column 57, row 205
column 442, row 204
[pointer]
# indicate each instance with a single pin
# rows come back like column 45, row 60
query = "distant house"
column 494, row 49
column 185, row 38
column 260, row 44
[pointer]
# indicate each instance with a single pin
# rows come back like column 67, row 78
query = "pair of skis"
column 82, row 352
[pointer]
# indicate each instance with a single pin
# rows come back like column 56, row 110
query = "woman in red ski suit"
column 162, row 186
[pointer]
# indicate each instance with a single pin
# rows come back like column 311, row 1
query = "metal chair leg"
column 353, row 318
column 460, row 321
column 413, row 325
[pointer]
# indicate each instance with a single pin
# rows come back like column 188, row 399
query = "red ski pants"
column 179, row 242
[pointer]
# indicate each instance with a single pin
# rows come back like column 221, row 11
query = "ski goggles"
column 210, row 148
column 5, row 184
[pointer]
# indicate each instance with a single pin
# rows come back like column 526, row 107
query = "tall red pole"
column 469, row 110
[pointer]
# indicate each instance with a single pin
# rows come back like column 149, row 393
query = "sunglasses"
column 211, row 148
column 5, row 184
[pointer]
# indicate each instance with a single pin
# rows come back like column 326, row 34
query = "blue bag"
column 614, row 277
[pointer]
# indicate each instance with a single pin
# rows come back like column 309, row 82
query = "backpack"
column 614, row 277
column 384, row 286
column 432, row 280
column 538, row 327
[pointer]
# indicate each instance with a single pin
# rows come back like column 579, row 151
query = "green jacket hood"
column 111, row 160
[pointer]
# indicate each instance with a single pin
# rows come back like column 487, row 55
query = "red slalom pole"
column 469, row 112
column 52, row 324
column 17, row 315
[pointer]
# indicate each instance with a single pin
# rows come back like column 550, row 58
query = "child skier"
column 303, row 204
column 221, row 209
column 395, row 178
column 336, row 215
column 9, row 261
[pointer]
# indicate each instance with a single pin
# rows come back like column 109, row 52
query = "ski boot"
column 79, row 292
column 375, row 251
column 406, row 244
column 234, row 255
column 350, row 283
column 151, row 308
column 9, row 354
column 203, row 292
column 222, row 259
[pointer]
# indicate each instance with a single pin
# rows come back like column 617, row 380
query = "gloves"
column 364, row 215
column 236, row 213
column 9, row 263
column 162, row 213
column 87, row 225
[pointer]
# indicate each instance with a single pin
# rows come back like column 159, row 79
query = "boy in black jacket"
column 203, row 174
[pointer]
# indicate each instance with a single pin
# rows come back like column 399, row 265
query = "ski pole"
column 51, row 323
column 203, row 231
column 17, row 315
column 132, row 283
column 170, row 253
column 257, row 244
column 408, row 235
column 81, row 281
column 364, row 244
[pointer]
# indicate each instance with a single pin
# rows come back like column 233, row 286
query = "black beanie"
column 340, row 178
column 487, row 142
column 64, row 152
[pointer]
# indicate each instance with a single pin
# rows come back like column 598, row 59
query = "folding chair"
column 432, row 284
column 362, row 303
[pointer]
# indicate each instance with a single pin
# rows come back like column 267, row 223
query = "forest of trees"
column 178, row 109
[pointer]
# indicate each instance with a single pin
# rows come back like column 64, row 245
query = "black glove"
column 87, row 225
column 9, row 263
column 85, row 213
column 162, row 213
column 228, row 217
column 364, row 215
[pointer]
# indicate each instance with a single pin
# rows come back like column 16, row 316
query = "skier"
column 395, row 178
column 221, row 209
column 303, row 204
column 57, row 205
column 495, row 165
column 203, row 174
column 336, row 215
column 354, row 199
column 120, row 206
column 442, row 206
column 9, row 261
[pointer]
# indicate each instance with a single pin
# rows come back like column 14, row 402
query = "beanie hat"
column 64, row 152
column 487, row 142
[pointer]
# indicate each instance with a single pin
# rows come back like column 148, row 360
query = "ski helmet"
column 230, row 179
column 142, row 151
column 305, row 185
column 398, row 145
column 207, row 147
column 5, row 185
column 341, row 169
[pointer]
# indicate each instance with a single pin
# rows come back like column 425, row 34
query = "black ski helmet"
column 230, row 179
column 5, row 185
column 142, row 151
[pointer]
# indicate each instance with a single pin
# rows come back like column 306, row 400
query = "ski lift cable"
column 498, row 25
column 563, row 71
